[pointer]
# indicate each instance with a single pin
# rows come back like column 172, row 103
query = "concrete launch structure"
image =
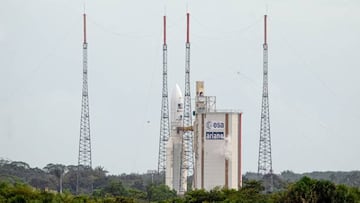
column 174, row 144
column 217, row 144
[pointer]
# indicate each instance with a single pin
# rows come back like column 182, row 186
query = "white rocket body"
column 176, row 107
column 174, row 145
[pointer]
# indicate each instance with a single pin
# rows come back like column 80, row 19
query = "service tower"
column 217, row 144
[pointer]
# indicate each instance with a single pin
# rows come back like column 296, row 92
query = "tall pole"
column 187, row 163
column 164, row 122
column 265, row 161
column 84, row 158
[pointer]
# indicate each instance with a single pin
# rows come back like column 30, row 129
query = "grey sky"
column 313, row 69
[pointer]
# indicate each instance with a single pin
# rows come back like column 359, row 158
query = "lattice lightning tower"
column 84, row 158
column 187, row 163
column 264, row 161
column 164, row 122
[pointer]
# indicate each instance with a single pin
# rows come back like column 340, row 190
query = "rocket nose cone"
column 178, row 91
column 176, row 94
column 177, row 105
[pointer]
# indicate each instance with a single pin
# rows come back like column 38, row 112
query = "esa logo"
column 213, row 125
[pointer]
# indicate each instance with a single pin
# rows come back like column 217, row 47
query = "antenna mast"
column 187, row 145
column 164, row 122
column 265, row 161
column 84, row 158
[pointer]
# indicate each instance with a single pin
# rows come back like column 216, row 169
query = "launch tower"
column 264, row 161
column 164, row 121
column 84, row 158
column 187, row 163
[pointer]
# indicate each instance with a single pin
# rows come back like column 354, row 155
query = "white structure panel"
column 215, row 154
column 214, row 157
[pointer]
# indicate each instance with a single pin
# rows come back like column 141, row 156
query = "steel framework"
column 84, row 158
column 187, row 163
column 265, row 161
column 164, row 122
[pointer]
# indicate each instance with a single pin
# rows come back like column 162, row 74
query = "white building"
column 217, row 144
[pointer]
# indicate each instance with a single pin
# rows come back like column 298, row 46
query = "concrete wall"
column 217, row 150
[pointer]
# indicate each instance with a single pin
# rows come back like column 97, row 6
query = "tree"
column 100, row 179
column 253, row 186
column 159, row 192
column 316, row 191
column 196, row 196
column 139, row 185
column 58, row 170
column 115, row 188
column 252, row 191
column 20, row 164
column 324, row 191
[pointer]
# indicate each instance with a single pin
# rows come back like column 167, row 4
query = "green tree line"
column 306, row 190
column 58, row 183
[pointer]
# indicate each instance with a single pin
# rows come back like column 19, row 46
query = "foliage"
column 251, row 192
column 159, row 192
column 319, row 191
column 21, row 183
column 282, row 180
column 115, row 188
column 306, row 190
column 19, row 193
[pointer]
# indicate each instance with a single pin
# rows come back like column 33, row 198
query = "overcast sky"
column 314, row 70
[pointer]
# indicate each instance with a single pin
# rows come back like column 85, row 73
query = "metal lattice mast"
column 187, row 163
column 164, row 122
column 264, row 161
column 84, row 158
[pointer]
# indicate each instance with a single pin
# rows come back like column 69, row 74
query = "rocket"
column 176, row 107
column 174, row 144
